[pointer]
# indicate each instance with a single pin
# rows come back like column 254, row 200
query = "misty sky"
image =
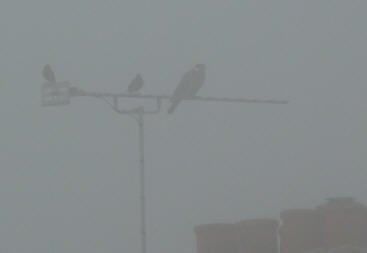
column 69, row 175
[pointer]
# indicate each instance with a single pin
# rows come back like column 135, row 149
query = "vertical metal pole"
column 142, row 180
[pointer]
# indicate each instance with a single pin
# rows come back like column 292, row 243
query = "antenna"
column 61, row 93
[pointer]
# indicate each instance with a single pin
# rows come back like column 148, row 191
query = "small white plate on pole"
column 57, row 93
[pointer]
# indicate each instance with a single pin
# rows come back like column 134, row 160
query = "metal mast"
column 60, row 93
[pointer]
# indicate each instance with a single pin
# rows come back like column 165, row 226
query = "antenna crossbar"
column 75, row 92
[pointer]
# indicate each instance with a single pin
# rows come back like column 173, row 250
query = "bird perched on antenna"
column 48, row 74
column 136, row 84
column 189, row 85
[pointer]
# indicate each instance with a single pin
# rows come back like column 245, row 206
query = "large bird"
column 48, row 74
column 136, row 84
column 189, row 85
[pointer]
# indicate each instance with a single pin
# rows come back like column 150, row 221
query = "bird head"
column 48, row 73
column 138, row 76
column 200, row 67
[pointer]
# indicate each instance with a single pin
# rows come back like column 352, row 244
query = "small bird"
column 189, row 85
column 136, row 84
column 48, row 74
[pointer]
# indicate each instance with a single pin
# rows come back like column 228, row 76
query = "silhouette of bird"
column 190, row 84
column 136, row 84
column 48, row 74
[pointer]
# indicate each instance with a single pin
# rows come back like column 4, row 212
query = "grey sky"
column 68, row 178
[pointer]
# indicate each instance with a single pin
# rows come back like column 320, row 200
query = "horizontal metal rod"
column 75, row 92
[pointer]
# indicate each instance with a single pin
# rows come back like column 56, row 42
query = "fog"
column 69, row 178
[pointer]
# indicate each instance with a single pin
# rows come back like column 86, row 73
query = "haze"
column 69, row 175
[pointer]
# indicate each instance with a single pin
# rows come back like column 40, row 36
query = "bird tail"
column 173, row 106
